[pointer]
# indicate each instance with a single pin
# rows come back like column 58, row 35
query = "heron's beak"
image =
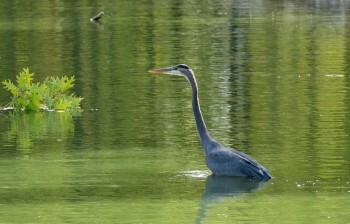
column 168, row 70
column 159, row 70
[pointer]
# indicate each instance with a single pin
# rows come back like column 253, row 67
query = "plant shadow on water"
column 28, row 127
column 220, row 188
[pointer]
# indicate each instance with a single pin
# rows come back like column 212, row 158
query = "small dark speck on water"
column 97, row 17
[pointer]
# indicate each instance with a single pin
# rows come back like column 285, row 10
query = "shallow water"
column 274, row 83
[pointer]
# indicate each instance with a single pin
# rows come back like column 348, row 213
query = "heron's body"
column 220, row 160
column 229, row 162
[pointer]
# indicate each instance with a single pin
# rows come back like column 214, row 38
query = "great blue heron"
column 220, row 160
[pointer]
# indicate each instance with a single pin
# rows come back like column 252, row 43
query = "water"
column 274, row 83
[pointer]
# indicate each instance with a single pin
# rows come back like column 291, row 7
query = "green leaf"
column 53, row 93
column 11, row 87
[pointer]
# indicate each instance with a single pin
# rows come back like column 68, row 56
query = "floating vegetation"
column 53, row 94
column 97, row 17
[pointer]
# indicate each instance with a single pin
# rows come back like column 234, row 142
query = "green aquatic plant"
column 52, row 94
column 58, row 95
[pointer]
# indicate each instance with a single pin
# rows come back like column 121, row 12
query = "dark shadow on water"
column 217, row 189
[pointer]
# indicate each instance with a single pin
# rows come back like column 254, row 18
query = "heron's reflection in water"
column 219, row 188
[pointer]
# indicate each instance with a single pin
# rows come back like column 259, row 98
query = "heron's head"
column 179, row 70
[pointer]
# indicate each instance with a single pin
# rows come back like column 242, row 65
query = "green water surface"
column 274, row 80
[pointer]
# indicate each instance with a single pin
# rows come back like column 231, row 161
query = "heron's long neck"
column 201, row 127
